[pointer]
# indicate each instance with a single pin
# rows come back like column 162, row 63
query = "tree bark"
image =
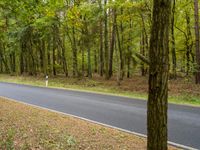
column 54, row 55
column 158, row 76
column 196, row 16
column 74, row 54
column 106, row 41
column 173, row 43
column 189, row 43
column 112, row 44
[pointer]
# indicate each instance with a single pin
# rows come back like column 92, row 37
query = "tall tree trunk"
column 54, row 55
column 101, row 59
column 82, row 53
column 120, row 55
column 87, row 43
column 189, row 43
column 95, row 61
column 173, row 43
column 112, row 43
column 122, row 58
column 7, row 70
column 74, row 54
column 101, row 62
column 158, row 76
column 129, row 62
column 145, row 44
column 142, row 52
column 64, row 60
column 129, row 51
column 49, row 55
column 44, row 57
column 106, row 41
column 196, row 16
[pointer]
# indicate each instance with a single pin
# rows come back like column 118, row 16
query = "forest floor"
column 181, row 91
column 26, row 127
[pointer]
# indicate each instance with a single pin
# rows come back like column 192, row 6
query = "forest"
column 112, row 40
column 82, row 38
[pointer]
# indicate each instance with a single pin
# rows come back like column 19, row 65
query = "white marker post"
column 47, row 81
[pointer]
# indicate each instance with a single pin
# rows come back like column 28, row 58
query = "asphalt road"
column 125, row 113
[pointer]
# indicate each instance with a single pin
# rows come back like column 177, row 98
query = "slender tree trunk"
column 7, row 70
column 101, row 59
column 49, row 55
column 54, row 55
column 106, row 41
column 145, row 43
column 196, row 16
column 64, row 60
column 142, row 52
column 158, row 76
column 95, row 61
column 129, row 52
column 74, row 49
column 21, row 59
column 44, row 57
column 173, row 43
column 122, row 58
column 112, row 43
column 83, row 62
column 189, row 43
column 120, row 54
column 101, row 62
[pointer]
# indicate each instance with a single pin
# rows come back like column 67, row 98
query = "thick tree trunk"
column 196, row 16
column 158, row 76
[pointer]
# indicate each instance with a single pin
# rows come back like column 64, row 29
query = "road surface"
column 124, row 113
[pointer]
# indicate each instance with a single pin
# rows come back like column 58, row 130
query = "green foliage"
column 31, row 31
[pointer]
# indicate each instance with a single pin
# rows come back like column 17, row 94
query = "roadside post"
column 47, row 80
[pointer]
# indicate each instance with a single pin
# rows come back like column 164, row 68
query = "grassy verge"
column 24, row 127
column 180, row 92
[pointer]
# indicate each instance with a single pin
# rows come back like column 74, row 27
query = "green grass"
column 94, row 86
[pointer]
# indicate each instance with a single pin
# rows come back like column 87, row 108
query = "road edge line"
column 96, row 122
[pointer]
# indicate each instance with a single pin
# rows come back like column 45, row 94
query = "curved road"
column 124, row 113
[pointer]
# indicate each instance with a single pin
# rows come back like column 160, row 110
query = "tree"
column 106, row 52
column 173, row 42
column 196, row 16
column 158, row 76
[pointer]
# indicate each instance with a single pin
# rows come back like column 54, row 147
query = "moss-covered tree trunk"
column 158, row 76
